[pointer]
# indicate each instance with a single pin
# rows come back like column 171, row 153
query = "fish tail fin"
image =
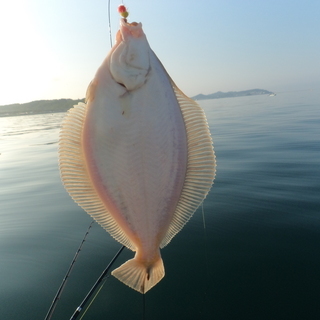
column 139, row 276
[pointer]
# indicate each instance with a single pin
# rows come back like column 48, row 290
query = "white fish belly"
column 138, row 157
column 136, row 153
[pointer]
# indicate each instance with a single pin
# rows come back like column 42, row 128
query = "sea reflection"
column 256, row 260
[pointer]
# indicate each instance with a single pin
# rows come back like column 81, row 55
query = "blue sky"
column 52, row 49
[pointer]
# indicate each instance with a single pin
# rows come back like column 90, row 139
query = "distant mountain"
column 40, row 106
column 231, row 94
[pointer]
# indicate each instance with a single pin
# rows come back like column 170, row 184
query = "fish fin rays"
column 201, row 164
column 138, row 276
column 75, row 177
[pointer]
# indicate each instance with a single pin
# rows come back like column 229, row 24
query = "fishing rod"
column 59, row 292
column 92, row 290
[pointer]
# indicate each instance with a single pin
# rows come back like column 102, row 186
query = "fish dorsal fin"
column 201, row 164
column 75, row 177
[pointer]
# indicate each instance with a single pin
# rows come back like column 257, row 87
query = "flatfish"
column 137, row 156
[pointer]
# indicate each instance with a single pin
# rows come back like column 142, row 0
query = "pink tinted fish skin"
column 138, row 157
column 135, row 145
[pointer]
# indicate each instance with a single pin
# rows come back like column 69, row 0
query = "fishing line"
column 94, row 287
column 203, row 219
column 109, row 18
column 143, row 307
column 64, row 281
column 205, row 236
column 206, row 253
column 94, row 298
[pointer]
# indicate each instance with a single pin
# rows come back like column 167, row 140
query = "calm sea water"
column 257, row 258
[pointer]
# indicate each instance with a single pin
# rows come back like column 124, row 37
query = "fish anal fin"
column 201, row 164
column 75, row 176
column 139, row 276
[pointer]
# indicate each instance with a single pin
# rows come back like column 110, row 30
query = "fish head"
column 129, row 61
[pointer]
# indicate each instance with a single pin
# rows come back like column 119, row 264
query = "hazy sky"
column 51, row 49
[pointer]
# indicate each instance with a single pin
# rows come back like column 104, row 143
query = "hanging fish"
column 138, row 156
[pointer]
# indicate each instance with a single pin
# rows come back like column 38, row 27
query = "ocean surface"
column 254, row 256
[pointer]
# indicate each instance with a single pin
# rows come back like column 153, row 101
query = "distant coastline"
column 38, row 107
column 63, row 105
column 232, row 94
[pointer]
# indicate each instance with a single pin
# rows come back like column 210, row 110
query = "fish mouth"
column 133, row 29
column 130, row 63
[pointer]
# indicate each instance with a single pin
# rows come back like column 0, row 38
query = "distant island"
column 231, row 94
column 62, row 105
